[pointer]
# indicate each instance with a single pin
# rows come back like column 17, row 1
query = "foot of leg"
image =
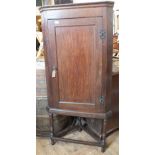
column 103, row 149
column 80, row 129
column 52, row 142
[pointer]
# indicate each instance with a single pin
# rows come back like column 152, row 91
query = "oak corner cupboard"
column 78, row 57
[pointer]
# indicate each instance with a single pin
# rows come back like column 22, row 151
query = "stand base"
column 79, row 124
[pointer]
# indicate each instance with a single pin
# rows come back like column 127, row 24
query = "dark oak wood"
column 51, row 128
column 78, row 57
column 112, row 122
column 77, row 141
column 83, row 114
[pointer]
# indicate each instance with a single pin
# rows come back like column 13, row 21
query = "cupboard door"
column 76, row 63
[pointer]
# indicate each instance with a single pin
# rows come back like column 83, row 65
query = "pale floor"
column 44, row 147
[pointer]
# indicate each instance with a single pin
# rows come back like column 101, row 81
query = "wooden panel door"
column 76, row 63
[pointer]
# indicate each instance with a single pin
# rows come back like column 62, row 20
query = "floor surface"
column 44, row 147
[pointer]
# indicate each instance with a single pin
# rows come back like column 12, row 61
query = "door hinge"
column 101, row 99
column 102, row 34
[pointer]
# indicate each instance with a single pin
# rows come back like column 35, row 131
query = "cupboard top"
column 77, row 5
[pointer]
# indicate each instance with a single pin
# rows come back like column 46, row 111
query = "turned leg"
column 51, row 128
column 80, row 125
column 103, row 134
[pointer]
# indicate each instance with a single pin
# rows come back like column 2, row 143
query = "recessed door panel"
column 75, row 53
